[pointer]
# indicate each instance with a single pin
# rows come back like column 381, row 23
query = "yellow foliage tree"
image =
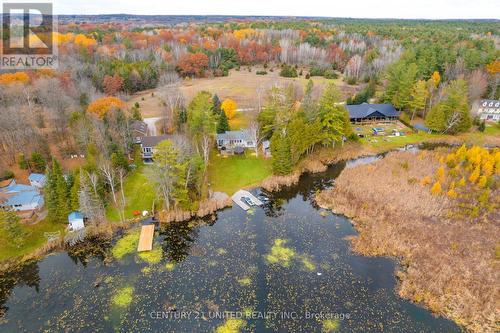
column 461, row 182
column 441, row 174
column 452, row 193
column 103, row 105
column 436, row 188
column 435, row 79
column 483, row 181
column 475, row 175
column 494, row 67
column 17, row 77
column 229, row 106
column 83, row 41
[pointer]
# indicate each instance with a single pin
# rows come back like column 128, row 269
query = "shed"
column 75, row 221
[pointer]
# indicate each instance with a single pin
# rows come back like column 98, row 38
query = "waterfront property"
column 372, row 113
column 75, row 221
column 148, row 144
column 232, row 142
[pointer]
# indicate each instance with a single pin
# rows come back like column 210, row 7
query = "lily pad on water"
column 151, row 257
column 233, row 325
column 308, row 264
column 280, row 254
column 170, row 266
column 246, row 281
column 330, row 325
column 126, row 245
column 123, row 297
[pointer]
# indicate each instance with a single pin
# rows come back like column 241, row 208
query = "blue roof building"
column 75, row 221
column 19, row 197
column 37, row 179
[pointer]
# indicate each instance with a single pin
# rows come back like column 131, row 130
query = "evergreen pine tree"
column 222, row 124
column 216, row 105
column 282, row 156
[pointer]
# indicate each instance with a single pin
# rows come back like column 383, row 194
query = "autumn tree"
column 193, row 64
column 112, row 84
column 104, row 105
column 229, row 107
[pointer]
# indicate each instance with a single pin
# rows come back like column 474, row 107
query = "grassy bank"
column 448, row 259
column 139, row 195
column 230, row 173
column 34, row 239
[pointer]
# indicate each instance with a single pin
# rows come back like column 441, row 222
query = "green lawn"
column 35, row 238
column 397, row 141
column 139, row 194
column 231, row 173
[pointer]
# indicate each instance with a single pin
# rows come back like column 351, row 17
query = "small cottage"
column 75, row 221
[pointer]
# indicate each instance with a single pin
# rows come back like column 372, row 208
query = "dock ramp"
column 146, row 238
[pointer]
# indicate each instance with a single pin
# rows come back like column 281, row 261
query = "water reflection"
column 178, row 238
column 27, row 275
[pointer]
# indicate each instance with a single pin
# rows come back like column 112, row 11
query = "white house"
column 489, row 109
column 75, row 221
column 37, row 180
column 230, row 140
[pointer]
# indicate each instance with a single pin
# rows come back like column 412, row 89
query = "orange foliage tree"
column 112, row 84
column 17, row 77
column 193, row 64
column 494, row 67
column 104, row 105
column 229, row 106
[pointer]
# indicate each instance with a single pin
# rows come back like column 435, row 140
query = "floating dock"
column 146, row 238
column 242, row 193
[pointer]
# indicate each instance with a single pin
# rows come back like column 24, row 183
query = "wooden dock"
column 146, row 238
column 242, row 193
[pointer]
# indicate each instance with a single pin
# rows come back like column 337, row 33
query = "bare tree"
column 109, row 174
column 478, row 83
column 254, row 131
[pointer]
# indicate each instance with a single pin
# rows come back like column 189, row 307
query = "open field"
column 231, row 173
column 35, row 239
column 139, row 194
column 241, row 86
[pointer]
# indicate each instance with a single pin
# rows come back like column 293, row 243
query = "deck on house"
column 146, row 238
column 242, row 193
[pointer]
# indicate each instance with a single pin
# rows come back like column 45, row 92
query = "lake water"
column 286, row 262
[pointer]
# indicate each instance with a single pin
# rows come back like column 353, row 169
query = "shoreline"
column 317, row 162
